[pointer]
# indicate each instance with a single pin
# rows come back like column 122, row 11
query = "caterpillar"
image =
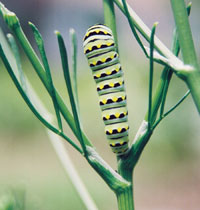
column 100, row 50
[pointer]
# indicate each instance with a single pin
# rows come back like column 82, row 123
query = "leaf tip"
column 57, row 33
column 190, row 4
column 71, row 31
column 155, row 24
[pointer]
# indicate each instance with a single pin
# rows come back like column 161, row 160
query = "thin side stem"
column 29, row 103
column 70, row 170
column 40, row 44
column 171, row 109
column 131, row 23
column 14, row 24
column 151, row 74
column 146, row 33
column 16, row 54
column 64, row 59
column 74, row 65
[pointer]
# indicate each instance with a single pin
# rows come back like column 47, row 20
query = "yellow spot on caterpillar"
column 111, row 84
column 97, row 31
column 119, row 130
column 107, row 117
column 94, row 63
column 98, row 46
column 123, row 97
column 108, row 44
column 121, row 142
column 117, row 69
column 105, row 32
column 113, row 144
column 89, row 48
column 120, row 83
column 103, row 60
column 101, row 87
column 110, row 131
column 112, row 56
column 117, row 115
column 125, row 113
column 87, row 34
column 104, row 101
column 126, row 127
column 98, row 75
column 115, row 99
column 108, row 73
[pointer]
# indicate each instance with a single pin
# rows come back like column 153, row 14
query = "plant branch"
column 131, row 23
column 64, row 59
column 171, row 109
column 192, row 77
column 74, row 65
column 109, row 18
column 29, row 103
column 13, row 23
column 184, row 32
column 40, row 44
column 70, row 170
column 146, row 33
column 151, row 74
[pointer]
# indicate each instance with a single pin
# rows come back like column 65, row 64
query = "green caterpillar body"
column 100, row 50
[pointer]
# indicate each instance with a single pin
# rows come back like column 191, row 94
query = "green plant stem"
column 151, row 64
column 125, row 197
column 14, row 24
column 132, row 26
column 184, row 32
column 64, row 59
column 109, row 17
column 192, row 77
column 146, row 33
column 40, row 44
column 29, row 103
column 74, row 65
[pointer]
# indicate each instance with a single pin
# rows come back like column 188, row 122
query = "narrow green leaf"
column 16, row 54
column 175, row 50
column 40, row 44
column 66, row 73
column 12, row 21
column 29, row 103
column 177, row 104
column 74, row 65
column 131, row 23
column 171, row 109
column 151, row 75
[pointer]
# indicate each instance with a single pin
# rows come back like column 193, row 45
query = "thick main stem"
column 184, row 32
column 125, row 197
column 192, row 77
column 193, row 82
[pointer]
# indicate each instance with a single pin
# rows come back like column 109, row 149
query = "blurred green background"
column 168, row 174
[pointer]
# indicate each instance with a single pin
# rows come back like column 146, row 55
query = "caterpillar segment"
column 103, row 59
column 109, row 72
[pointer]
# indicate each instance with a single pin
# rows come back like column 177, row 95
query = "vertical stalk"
column 184, row 32
column 125, row 198
column 109, row 17
column 192, row 77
